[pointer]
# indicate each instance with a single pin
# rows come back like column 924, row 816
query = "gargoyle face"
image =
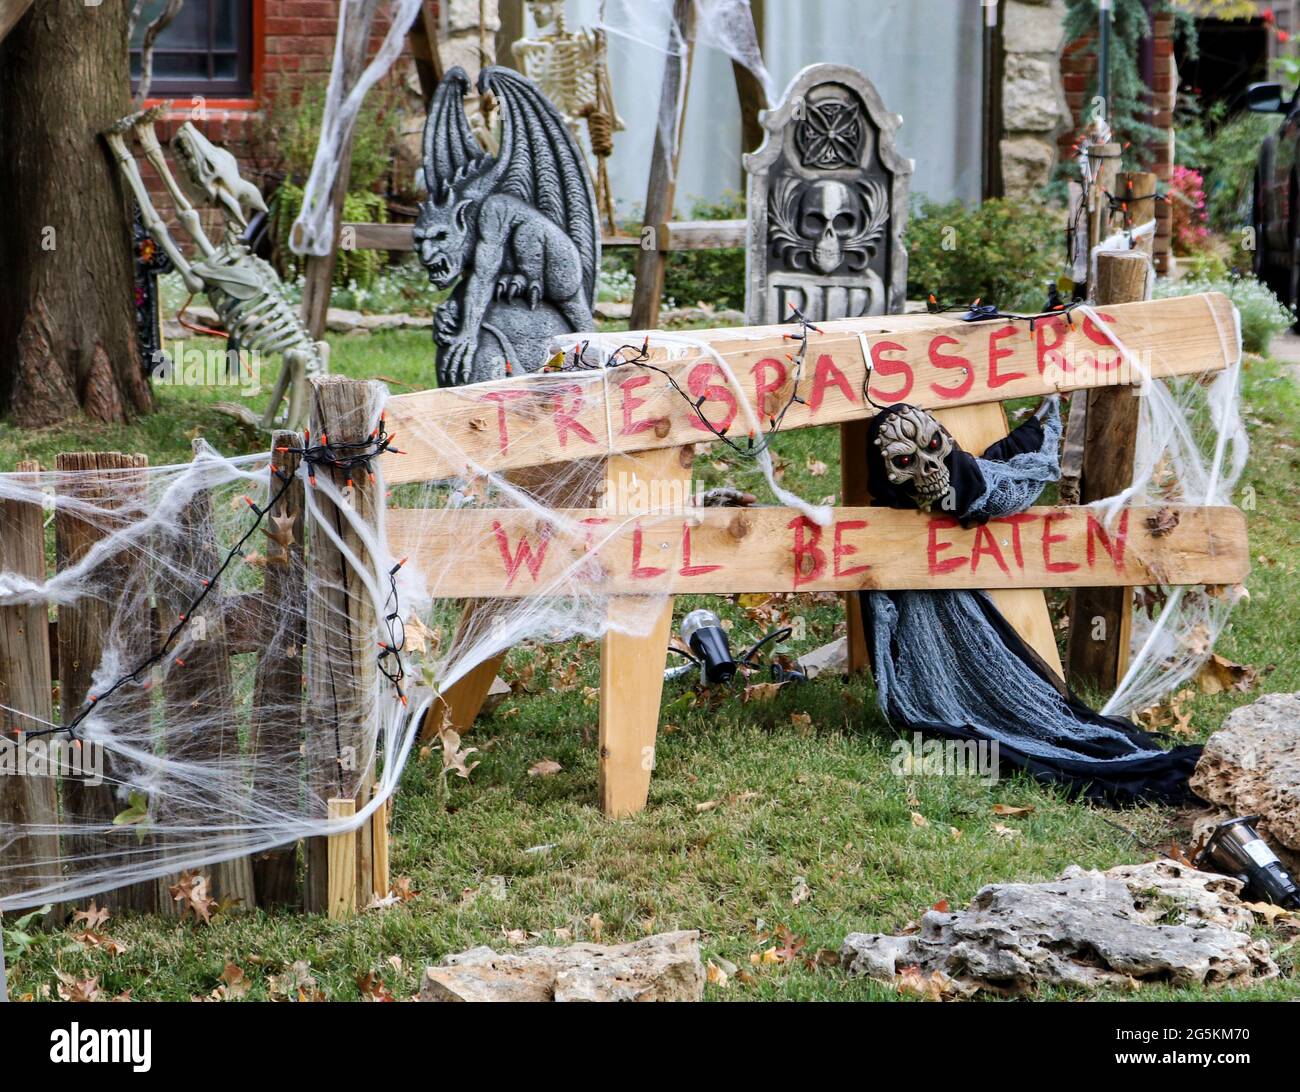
column 914, row 446
column 441, row 238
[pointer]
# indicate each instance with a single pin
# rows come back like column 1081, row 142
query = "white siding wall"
column 922, row 55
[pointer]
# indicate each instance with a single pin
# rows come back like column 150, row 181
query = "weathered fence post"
column 25, row 684
column 198, row 690
column 120, row 607
column 275, row 739
column 341, row 641
column 1097, row 646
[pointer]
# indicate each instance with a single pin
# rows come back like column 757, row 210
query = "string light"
column 640, row 356
column 343, row 457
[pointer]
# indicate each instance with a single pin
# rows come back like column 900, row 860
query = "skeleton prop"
column 245, row 291
column 946, row 663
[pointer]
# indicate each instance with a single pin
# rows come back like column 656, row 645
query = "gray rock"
column 1031, row 95
column 663, row 967
column 830, row 659
column 1251, row 766
column 1158, row 921
column 1026, row 164
column 1033, row 27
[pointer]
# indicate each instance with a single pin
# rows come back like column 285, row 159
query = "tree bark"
column 67, row 328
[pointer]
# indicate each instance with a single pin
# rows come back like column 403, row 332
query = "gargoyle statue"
column 243, row 289
column 514, row 232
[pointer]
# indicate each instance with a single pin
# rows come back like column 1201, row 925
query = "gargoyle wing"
column 450, row 151
column 540, row 163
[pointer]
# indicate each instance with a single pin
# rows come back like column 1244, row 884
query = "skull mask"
column 830, row 213
column 914, row 446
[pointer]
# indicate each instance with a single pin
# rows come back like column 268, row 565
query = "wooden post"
column 318, row 270
column 275, row 738
column 1105, row 161
column 342, row 861
column 25, row 684
column 121, row 608
column 632, row 665
column 662, row 188
column 380, row 882
column 341, row 638
column 423, row 41
column 1097, row 647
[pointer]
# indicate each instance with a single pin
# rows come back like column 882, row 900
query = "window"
column 207, row 49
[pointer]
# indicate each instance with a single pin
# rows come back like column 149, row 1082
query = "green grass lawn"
column 748, row 801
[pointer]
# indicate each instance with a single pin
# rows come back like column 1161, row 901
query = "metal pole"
column 1103, row 56
column 988, row 186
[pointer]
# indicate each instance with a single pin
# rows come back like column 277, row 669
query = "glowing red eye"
column 902, row 461
column 934, row 442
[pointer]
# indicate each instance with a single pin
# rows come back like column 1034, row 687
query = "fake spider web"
column 225, row 733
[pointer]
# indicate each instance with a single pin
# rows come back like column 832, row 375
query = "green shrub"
column 714, row 277
column 1003, row 251
column 359, row 207
column 1262, row 314
column 1225, row 151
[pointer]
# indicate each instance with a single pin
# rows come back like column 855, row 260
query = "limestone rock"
column 1026, row 164
column 1158, row 921
column 1251, row 766
column 830, row 659
column 1031, row 96
column 664, row 967
column 1033, row 27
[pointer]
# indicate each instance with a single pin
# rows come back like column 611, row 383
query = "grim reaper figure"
column 515, row 232
column 947, row 663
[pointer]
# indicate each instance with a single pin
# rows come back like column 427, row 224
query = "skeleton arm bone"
column 152, row 221
column 185, row 211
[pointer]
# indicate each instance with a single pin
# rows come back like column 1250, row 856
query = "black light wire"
column 343, row 456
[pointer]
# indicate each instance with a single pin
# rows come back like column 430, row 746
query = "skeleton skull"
column 829, row 212
column 914, row 446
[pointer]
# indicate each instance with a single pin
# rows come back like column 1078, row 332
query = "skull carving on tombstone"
column 829, row 213
column 914, row 447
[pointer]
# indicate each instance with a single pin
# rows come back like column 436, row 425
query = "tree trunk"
column 67, row 327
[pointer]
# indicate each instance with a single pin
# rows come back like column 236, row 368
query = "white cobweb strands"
column 313, row 230
column 224, row 736
column 648, row 25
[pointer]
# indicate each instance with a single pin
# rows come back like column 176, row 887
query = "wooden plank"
column 661, row 189
column 104, row 481
column 200, row 725
column 1025, row 609
column 341, row 666
column 25, row 685
column 701, row 234
column 276, row 734
column 545, row 418
column 674, row 235
column 380, row 880
column 342, row 861
column 632, row 654
column 732, row 550
column 1097, row 646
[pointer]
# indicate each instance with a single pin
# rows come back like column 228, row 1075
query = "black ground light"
column 1235, row 848
column 703, row 634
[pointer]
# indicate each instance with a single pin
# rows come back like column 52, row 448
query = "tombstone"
column 827, row 203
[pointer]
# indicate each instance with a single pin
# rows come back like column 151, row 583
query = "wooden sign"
column 732, row 550
column 934, row 361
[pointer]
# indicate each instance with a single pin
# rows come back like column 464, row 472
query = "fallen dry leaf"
column 919, row 820
column 1218, row 674
column 1012, row 811
column 715, row 975
column 545, row 768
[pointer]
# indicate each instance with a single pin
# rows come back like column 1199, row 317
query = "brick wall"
column 1077, row 75
column 293, row 48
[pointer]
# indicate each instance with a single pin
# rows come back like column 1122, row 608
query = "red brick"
column 1163, row 47
column 278, row 25
column 1075, row 81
